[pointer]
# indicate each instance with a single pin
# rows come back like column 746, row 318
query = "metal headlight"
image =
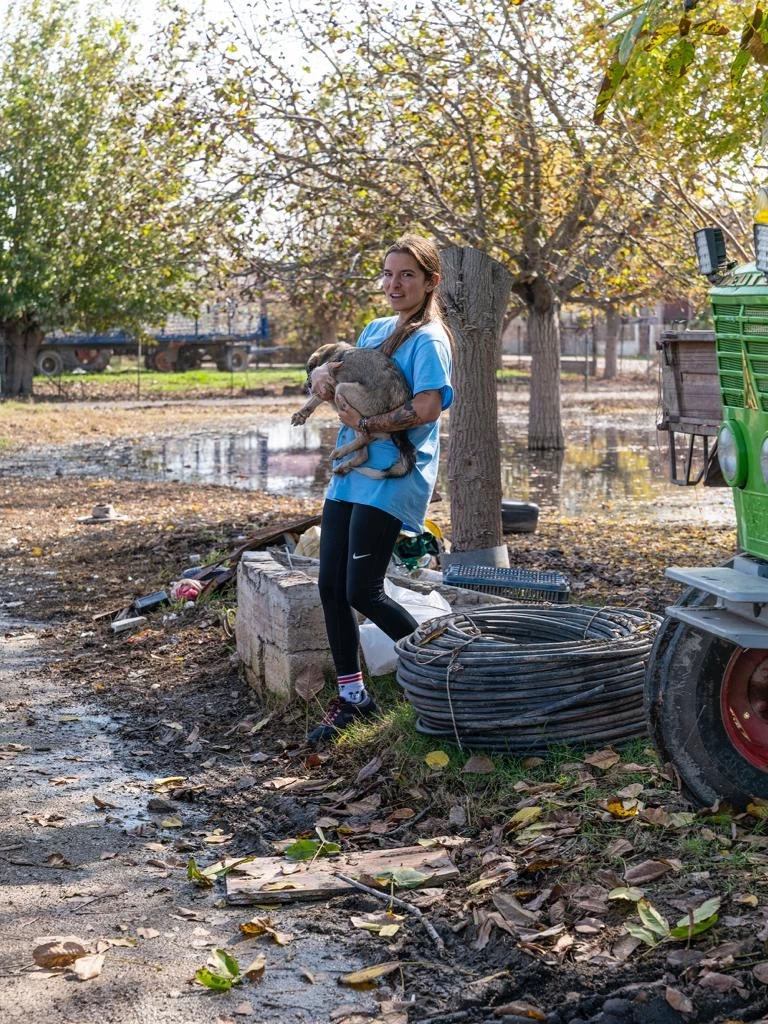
column 760, row 232
column 732, row 454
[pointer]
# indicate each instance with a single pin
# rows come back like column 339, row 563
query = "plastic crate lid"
column 485, row 575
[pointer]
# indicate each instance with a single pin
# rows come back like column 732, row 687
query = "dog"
column 373, row 384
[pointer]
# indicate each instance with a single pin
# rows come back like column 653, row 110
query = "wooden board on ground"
column 264, row 880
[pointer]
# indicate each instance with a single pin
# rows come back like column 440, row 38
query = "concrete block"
column 280, row 629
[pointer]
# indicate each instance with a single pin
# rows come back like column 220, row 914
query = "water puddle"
column 602, row 465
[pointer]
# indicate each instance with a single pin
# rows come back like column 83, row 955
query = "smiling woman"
column 364, row 514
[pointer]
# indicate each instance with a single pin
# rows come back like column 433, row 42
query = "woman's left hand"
column 348, row 414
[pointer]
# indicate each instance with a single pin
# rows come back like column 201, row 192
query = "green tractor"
column 706, row 688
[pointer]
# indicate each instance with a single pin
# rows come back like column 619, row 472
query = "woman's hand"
column 323, row 382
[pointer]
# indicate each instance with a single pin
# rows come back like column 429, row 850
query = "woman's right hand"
column 323, row 382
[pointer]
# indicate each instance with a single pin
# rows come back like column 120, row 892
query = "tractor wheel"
column 707, row 706
column 49, row 362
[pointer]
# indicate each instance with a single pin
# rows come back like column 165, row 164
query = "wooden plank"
column 261, row 880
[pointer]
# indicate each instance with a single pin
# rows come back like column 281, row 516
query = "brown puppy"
column 373, row 384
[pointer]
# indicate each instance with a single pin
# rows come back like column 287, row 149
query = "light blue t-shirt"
column 425, row 359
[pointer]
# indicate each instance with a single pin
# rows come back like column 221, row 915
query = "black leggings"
column 356, row 543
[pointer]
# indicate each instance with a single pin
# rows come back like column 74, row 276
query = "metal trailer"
column 164, row 351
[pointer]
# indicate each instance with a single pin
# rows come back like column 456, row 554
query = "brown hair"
column 428, row 258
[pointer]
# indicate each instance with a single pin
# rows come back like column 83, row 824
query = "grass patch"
column 151, row 381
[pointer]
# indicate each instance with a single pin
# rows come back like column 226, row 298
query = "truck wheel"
column 49, row 362
column 235, row 360
column 165, row 360
column 187, row 359
column 707, row 704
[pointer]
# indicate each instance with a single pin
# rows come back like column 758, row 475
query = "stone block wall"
column 280, row 629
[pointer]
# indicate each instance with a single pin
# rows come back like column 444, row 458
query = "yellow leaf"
column 171, row 823
column 437, row 759
column 368, row 977
column 622, row 808
column 167, row 783
column 525, row 816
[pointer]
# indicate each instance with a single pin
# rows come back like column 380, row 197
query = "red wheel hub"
column 744, row 704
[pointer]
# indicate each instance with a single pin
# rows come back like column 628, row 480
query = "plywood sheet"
column 264, row 880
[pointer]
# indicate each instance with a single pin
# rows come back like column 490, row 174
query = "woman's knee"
column 364, row 598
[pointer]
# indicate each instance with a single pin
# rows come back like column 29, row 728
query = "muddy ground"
column 93, row 847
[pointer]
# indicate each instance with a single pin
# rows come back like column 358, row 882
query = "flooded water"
column 604, row 464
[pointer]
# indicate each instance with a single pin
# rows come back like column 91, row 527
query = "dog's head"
column 331, row 352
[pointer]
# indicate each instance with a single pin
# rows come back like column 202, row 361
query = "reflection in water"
column 602, row 465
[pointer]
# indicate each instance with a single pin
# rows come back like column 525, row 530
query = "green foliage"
column 310, row 849
column 223, row 976
column 101, row 214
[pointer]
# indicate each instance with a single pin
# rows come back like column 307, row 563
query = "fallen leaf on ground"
column 104, row 804
column 258, row 926
column 602, row 759
column 519, row 1008
column 147, row 933
column 760, row 971
column 369, row 770
column 678, row 1001
column 59, row 951
column 437, row 759
column 255, row 969
column 87, row 967
column 647, row 871
column 169, row 782
column 368, row 977
column 479, row 765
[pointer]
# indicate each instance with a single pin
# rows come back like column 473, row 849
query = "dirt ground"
column 171, row 701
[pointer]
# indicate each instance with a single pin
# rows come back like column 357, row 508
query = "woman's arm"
column 422, row 408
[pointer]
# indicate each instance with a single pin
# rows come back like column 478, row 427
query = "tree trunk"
column 612, row 328
column 329, row 330
column 644, row 339
column 545, row 427
column 22, row 343
column 475, row 290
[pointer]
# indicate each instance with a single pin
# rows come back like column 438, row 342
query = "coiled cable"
column 521, row 679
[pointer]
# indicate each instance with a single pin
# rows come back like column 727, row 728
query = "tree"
column 470, row 123
column 102, row 221
column 662, row 42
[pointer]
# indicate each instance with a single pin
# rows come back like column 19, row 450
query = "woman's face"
column 405, row 284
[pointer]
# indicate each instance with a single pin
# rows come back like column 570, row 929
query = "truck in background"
column 232, row 342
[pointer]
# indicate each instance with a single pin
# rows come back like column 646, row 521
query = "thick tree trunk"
column 476, row 291
column 329, row 328
column 612, row 329
column 644, row 339
column 545, row 427
column 22, row 343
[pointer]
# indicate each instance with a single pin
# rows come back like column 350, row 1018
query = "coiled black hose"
column 521, row 679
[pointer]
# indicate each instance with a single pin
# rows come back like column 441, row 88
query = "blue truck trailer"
column 181, row 345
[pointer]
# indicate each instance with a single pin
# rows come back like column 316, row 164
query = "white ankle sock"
column 351, row 688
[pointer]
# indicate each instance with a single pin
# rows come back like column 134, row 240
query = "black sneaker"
column 338, row 715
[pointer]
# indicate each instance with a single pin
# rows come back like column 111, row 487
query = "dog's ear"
column 319, row 356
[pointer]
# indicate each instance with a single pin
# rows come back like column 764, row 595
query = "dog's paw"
column 343, row 469
column 298, row 419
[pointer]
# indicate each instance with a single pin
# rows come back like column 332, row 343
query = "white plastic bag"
column 378, row 649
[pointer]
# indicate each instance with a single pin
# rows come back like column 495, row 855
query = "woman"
column 362, row 517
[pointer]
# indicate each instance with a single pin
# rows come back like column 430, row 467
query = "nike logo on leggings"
column 355, row 557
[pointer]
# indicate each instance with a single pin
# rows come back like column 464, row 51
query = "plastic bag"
column 378, row 648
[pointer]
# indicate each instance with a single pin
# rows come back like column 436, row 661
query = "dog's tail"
column 402, row 467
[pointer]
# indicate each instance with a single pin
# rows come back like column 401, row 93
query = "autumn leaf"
column 88, row 967
column 369, row 977
column 59, row 952
column 602, row 759
column 437, row 760
column 478, row 765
